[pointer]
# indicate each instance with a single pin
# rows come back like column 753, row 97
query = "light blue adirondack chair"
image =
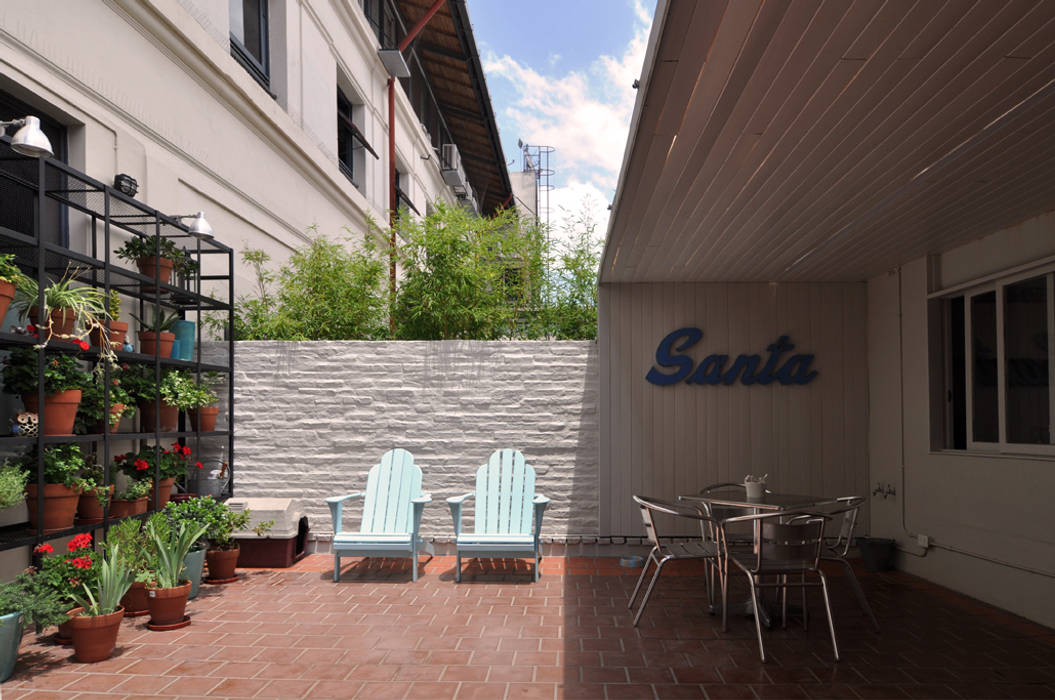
column 505, row 500
column 391, row 514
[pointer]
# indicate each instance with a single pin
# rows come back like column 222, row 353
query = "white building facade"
column 271, row 116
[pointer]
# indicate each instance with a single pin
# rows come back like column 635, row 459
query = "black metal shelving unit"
column 96, row 212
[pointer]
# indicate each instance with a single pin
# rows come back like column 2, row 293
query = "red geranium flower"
column 186, row 450
column 80, row 541
column 30, row 328
column 141, row 464
column 83, row 345
column 119, row 458
column 43, row 549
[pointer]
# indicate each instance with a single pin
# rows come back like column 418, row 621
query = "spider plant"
column 88, row 304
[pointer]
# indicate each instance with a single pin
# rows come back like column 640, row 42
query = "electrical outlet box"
column 923, row 541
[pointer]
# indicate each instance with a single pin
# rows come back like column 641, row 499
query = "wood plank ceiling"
column 448, row 54
column 832, row 140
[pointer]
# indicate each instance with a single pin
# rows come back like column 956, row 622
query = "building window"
column 402, row 198
column 249, row 37
column 18, row 179
column 999, row 343
column 351, row 143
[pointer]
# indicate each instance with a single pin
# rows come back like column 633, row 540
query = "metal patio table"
column 737, row 498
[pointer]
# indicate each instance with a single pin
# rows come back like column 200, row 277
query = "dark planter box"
column 274, row 552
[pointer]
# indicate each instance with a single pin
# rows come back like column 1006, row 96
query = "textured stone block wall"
column 312, row 418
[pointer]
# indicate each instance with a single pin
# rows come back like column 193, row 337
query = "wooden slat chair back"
column 392, row 507
column 508, row 514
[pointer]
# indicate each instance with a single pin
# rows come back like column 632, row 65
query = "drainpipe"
column 392, row 197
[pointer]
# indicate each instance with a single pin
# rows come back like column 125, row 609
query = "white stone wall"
column 312, row 418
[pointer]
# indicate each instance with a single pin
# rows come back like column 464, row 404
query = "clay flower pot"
column 62, row 321
column 155, row 268
column 60, row 410
column 120, row 508
column 151, row 344
column 135, row 602
column 117, row 332
column 222, row 564
column 164, row 492
column 60, row 506
column 94, row 638
column 168, row 606
column 204, row 419
column 7, row 293
column 116, row 409
column 88, row 508
column 149, row 412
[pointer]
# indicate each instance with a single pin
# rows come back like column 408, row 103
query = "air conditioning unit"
column 451, row 166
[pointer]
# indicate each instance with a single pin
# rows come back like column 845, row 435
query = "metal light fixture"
column 394, row 62
column 29, row 140
column 126, row 183
column 199, row 227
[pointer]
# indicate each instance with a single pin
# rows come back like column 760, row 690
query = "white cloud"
column 584, row 115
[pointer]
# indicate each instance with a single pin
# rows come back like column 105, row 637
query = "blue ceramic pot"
column 10, row 638
column 184, row 331
column 192, row 567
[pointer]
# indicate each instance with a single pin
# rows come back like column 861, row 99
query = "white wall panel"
column 670, row 440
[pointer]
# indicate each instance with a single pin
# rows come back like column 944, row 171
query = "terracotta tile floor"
column 293, row 633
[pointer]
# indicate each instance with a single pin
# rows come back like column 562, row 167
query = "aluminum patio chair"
column 848, row 507
column 707, row 547
column 789, row 544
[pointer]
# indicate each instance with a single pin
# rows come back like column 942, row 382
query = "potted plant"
column 222, row 555
column 156, row 258
column 12, row 484
column 94, row 495
column 65, row 306
column 128, row 535
column 168, row 596
column 96, row 622
column 153, row 400
column 11, row 278
column 155, row 335
column 92, row 413
column 171, row 463
column 25, row 601
column 115, row 330
column 62, row 464
column 64, row 382
column 197, row 398
column 195, row 511
column 132, row 500
column 61, row 576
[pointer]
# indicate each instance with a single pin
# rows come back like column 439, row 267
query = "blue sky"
column 560, row 74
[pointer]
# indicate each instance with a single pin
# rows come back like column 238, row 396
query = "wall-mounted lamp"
column 126, row 184
column 394, row 62
column 29, row 140
column 199, row 227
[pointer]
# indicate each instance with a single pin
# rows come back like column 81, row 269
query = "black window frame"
column 348, row 135
column 259, row 69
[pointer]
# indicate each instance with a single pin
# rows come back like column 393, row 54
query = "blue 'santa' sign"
column 747, row 368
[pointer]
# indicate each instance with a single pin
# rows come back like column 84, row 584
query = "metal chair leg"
column 805, row 608
column 724, row 576
column 757, row 616
column 458, row 569
column 784, row 601
column 644, row 570
column 828, row 610
column 648, row 591
column 336, row 568
column 860, row 593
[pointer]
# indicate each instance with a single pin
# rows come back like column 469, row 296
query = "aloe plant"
column 171, row 547
column 161, row 322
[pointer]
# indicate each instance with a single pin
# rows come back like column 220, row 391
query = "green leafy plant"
column 221, row 522
column 193, row 511
column 112, row 582
column 172, row 462
column 263, row 527
column 62, row 463
column 87, row 303
column 128, row 536
column 160, row 322
column 139, row 383
column 61, row 373
column 113, row 304
column 135, row 490
column 150, row 247
column 171, row 545
column 179, row 389
column 10, row 272
column 90, row 481
column 39, row 604
column 92, row 408
column 12, row 484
